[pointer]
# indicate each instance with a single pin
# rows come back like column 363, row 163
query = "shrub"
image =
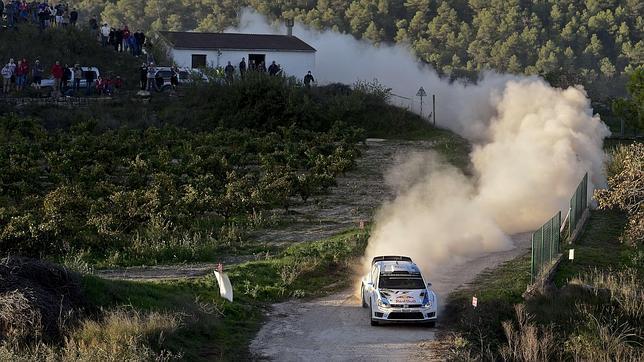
column 626, row 190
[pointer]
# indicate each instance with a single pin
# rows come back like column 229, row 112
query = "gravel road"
column 336, row 328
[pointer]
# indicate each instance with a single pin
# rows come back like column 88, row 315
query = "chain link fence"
column 578, row 204
column 546, row 241
column 545, row 245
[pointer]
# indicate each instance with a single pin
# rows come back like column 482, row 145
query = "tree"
column 626, row 190
column 632, row 109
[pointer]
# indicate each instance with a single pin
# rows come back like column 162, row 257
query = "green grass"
column 597, row 247
column 214, row 329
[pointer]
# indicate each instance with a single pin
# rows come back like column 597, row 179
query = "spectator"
column 126, row 38
column 65, row 18
column 23, row 9
column 90, row 75
column 73, row 17
column 174, row 79
column 11, row 10
column 36, row 74
column 230, row 73
column 118, row 40
column 308, row 79
column 242, row 68
column 151, row 74
column 105, row 34
column 93, row 26
column 143, row 75
column 273, row 69
column 22, row 70
column 262, row 67
column 101, row 85
column 140, row 42
column 67, row 76
column 58, row 12
column 116, row 84
column 78, row 75
column 6, row 73
column 159, row 82
column 57, row 73
column 43, row 16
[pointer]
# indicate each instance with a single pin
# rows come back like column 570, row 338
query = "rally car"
column 395, row 291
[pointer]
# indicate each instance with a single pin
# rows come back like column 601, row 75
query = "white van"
column 49, row 82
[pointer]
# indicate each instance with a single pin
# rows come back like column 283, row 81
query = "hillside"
column 68, row 46
column 567, row 41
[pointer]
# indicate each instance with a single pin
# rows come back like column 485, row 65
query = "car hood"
column 415, row 296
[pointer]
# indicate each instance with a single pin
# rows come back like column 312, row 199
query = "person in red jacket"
column 57, row 73
column 22, row 70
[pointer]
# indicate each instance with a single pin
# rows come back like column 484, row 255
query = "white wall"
column 293, row 63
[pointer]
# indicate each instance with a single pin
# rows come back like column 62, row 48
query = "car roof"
column 398, row 267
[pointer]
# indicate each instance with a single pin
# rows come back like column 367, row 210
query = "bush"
column 626, row 190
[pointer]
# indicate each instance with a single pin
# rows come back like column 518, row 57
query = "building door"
column 255, row 59
column 199, row 61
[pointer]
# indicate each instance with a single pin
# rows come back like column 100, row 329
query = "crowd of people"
column 122, row 39
column 63, row 79
column 43, row 14
column 274, row 70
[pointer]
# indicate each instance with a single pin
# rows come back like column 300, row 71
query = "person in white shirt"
column 105, row 34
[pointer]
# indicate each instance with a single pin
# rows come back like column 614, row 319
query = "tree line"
column 569, row 41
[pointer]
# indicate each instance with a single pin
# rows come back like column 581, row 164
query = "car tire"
column 364, row 304
column 430, row 324
column 373, row 322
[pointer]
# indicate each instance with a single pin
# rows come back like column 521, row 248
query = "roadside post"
column 475, row 302
column 571, row 254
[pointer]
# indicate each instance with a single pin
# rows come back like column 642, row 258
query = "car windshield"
column 400, row 282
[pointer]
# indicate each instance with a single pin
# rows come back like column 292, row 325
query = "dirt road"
column 336, row 328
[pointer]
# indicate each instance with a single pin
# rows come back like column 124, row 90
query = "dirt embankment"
column 36, row 299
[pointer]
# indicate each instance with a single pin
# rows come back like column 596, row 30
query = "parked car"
column 394, row 291
column 49, row 82
column 185, row 76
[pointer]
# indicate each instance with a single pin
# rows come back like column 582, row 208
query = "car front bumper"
column 404, row 315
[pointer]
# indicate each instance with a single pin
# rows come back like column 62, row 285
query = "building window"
column 198, row 61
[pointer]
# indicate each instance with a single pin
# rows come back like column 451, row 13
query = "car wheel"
column 430, row 324
column 364, row 304
column 373, row 322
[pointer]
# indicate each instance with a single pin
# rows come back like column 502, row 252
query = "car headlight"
column 383, row 303
column 428, row 300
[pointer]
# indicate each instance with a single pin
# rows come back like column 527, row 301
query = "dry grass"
column 19, row 320
column 122, row 335
column 526, row 341
column 624, row 288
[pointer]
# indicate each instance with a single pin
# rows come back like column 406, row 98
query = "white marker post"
column 571, row 254
column 475, row 301
column 225, row 287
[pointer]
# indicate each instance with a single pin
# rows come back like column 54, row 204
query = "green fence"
column 578, row 204
column 545, row 244
column 546, row 240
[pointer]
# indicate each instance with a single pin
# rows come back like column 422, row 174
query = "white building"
column 195, row 50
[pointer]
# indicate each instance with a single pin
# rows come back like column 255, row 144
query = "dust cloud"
column 532, row 145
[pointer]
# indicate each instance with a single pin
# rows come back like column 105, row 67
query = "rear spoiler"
column 390, row 258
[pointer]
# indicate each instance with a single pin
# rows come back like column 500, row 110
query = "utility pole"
column 421, row 93
column 434, row 108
